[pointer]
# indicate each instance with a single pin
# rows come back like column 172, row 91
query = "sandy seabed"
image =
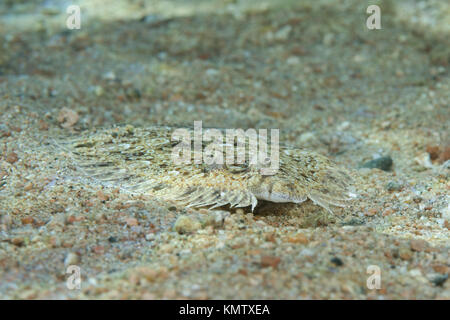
column 311, row 69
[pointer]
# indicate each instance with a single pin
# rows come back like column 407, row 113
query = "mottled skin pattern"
column 139, row 160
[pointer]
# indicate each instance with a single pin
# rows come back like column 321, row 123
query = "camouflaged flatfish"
column 139, row 160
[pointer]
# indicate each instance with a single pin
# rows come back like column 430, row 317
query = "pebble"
column 17, row 241
column 98, row 250
column 343, row 126
column 383, row 163
column 394, row 186
column 131, row 222
column 283, row 33
column 12, row 157
column 211, row 72
column 27, row 220
column 6, row 220
column 298, row 238
column 371, row 212
column 71, row 259
column 337, row 261
column 439, row 279
column 418, row 245
column 270, row 261
column 441, row 268
column 446, row 212
column 352, row 221
column 109, row 76
column 424, row 160
column 405, row 253
column 186, row 224
column 99, row 91
column 146, row 273
column 216, row 218
column 112, row 239
column 433, row 152
column 270, row 236
column 150, row 236
column 438, row 153
column 101, row 196
column 4, row 131
column 293, row 60
column 28, row 187
column 67, row 117
column 445, row 155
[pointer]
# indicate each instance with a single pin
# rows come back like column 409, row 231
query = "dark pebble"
column 352, row 222
column 112, row 239
column 439, row 280
column 393, row 186
column 383, row 163
column 337, row 262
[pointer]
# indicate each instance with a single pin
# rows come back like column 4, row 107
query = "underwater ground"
column 377, row 102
